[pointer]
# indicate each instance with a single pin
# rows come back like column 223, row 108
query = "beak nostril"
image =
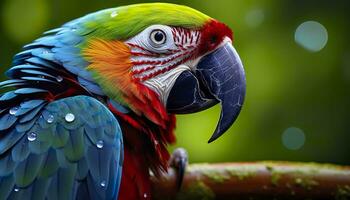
column 213, row 40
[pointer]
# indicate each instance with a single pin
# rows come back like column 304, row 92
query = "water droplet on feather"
column 13, row 110
column 99, row 144
column 69, row 117
column 31, row 136
column 59, row 79
column 50, row 119
column 103, row 184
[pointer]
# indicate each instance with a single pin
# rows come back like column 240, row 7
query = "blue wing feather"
column 64, row 159
column 81, row 159
column 55, row 54
column 8, row 96
column 41, row 62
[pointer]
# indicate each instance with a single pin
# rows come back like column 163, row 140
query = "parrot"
column 89, row 109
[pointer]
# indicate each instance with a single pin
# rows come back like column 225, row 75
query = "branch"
column 260, row 180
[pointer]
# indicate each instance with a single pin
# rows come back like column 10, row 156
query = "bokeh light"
column 311, row 35
column 255, row 17
column 293, row 138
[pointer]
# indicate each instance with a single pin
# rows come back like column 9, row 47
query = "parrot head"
column 157, row 58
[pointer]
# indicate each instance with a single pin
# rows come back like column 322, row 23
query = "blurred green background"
column 296, row 55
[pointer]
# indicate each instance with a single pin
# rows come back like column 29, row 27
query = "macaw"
column 90, row 106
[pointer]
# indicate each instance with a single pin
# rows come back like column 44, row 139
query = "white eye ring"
column 157, row 37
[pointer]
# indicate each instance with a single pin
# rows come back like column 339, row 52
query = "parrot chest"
column 135, row 183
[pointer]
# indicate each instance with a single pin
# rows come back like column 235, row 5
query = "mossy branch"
column 260, row 180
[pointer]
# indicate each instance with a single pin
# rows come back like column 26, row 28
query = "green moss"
column 309, row 166
column 343, row 192
column 198, row 191
column 275, row 178
column 216, row 176
column 242, row 173
column 306, row 183
column 275, row 175
column 209, row 172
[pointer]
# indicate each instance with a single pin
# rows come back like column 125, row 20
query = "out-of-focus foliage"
column 298, row 96
column 22, row 20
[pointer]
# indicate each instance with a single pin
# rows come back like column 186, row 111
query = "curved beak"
column 218, row 78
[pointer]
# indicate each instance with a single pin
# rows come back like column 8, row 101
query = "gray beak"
column 218, row 78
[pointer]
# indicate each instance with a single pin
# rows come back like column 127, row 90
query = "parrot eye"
column 158, row 37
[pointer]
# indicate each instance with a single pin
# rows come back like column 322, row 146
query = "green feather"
column 124, row 22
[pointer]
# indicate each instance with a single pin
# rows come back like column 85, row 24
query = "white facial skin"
column 160, row 54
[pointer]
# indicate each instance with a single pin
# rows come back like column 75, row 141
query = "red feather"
column 146, row 136
column 212, row 34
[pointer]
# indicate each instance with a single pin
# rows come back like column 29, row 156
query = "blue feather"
column 69, row 38
column 41, row 62
column 9, row 140
column 36, row 72
column 118, row 106
column 85, row 74
column 29, row 78
column 45, row 54
column 31, row 115
column 53, row 31
column 8, row 96
column 20, row 152
column 62, row 160
column 32, row 103
column 91, row 87
column 7, row 164
column 23, row 127
column 28, row 169
column 22, row 54
column 6, row 121
column 6, row 186
column 10, row 82
column 13, row 85
column 60, row 136
column 29, row 91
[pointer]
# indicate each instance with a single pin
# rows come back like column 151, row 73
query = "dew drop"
column 59, row 79
column 103, row 184
column 114, row 14
column 31, row 136
column 16, row 189
column 99, row 144
column 45, row 52
column 73, row 29
column 50, row 119
column 69, row 117
column 145, row 195
column 13, row 110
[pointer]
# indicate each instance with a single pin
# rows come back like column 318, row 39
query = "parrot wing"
column 67, row 149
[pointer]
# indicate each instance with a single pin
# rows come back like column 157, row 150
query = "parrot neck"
column 140, row 155
column 110, row 64
column 150, row 137
column 145, row 148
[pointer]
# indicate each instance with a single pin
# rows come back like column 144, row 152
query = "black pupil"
column 159, row 36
